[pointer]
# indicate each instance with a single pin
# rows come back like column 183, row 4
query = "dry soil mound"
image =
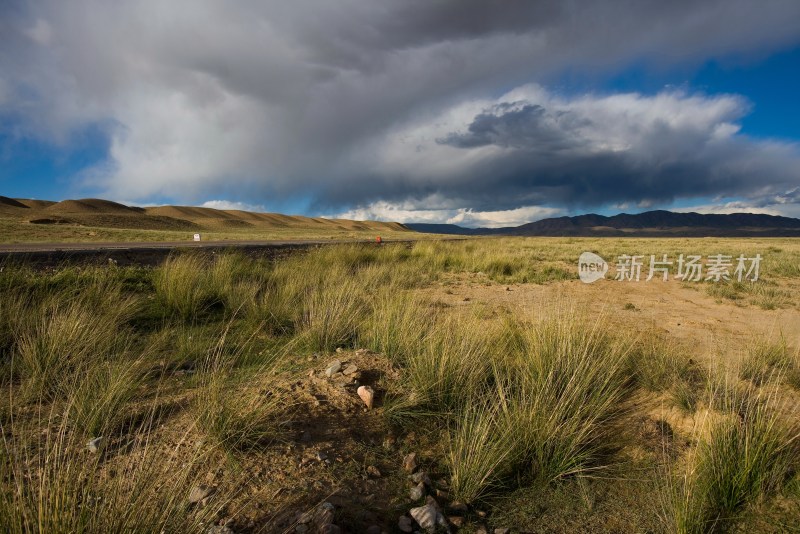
column 91, row 206
column 11, row 203
column 35, row 204
column 189, row 213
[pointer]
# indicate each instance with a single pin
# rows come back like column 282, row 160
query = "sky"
column 478, row 113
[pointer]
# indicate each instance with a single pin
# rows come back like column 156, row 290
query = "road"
column 149, row 253
column 52, row 247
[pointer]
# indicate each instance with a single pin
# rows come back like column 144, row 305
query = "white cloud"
column 786, row 203
column 499, row 219
column 228, row 205
column 342, row 103
column 727, row 208
column 41, row 32
column 385, row 211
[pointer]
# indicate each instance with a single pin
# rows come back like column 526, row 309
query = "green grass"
column 482, row 448
column 62, row 338
column 766, row 360
column 100, row 396
column 573, row 377
column 395, row 325
column 183, row 367
column 748, row 456
column 550, row 404
column 661, row 363
column 52, row 484
column 185, row 285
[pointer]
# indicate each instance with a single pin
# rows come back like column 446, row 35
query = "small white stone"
column 425, row 516
column 94, row 444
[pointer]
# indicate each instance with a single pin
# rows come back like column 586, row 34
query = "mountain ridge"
column 646, row 224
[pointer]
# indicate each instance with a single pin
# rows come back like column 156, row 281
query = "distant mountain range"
column 92, row 212
column 648, row 224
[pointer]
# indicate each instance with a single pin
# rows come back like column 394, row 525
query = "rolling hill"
column 98, row 213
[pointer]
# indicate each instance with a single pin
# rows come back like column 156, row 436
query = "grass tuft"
column 748, row 455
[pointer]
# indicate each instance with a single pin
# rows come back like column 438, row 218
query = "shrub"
column 572, row 378
column 67, row 337
column 52, row 484
column 395, row 325
column 100, row 395
column 185, row 287
column 482, row 448
column 332, row 313
column 230, row 407
column 748, row 455
column 765, row 360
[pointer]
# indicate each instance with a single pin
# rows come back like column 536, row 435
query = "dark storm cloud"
column 530, row 127
column 342, row 101
column 596, row 150
column 561, row 154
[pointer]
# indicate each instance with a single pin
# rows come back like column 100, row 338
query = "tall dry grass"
column 750, row 453
column 51, row 483
column 516, row 402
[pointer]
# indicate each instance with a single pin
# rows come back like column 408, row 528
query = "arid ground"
column 221, row 393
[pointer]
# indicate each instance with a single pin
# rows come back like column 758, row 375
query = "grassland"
column 532, row 401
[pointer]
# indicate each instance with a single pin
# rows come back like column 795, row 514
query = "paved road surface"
column 52, row 247
column 149, row 253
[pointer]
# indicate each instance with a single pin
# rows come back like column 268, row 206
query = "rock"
column 410, row 462
column 94, row 444
column 456, row 521
column 441, row 494
column 199, row 493
column 305, row 517
column 350, row 369
column 334, row 367
column 425, row 516
column 417, row 492
column 339, row 349
column 330, row 528
column 481, row 529
column 367, row 395
column 342, row 379
column 421, row 476
column 324, row 515
column 321, row 456
column 431, row 501
column 373, row 529
column 502, row 531
column 405, row 524
column 373, row 471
